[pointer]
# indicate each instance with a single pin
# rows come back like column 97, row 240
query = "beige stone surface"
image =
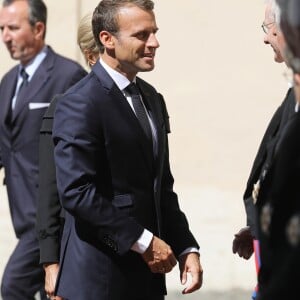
column 221, row 87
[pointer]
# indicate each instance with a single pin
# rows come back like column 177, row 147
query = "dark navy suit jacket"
column 112, row 187
column 275, row 127
column 19, row 135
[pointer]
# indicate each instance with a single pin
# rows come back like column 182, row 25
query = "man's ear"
column 107, row 39
column 39, row 30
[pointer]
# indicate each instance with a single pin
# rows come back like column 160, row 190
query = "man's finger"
column 183, row 277
column 195, row 284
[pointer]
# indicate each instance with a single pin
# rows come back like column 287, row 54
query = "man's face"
column 274, row 36
column 18, row 35
column 135, row 43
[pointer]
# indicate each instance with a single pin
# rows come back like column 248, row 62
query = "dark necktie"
column 23, row 84
column 139, row 109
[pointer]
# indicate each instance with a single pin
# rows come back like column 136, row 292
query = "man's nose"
column 153, row 41
column 266, row 39
column 6, row 37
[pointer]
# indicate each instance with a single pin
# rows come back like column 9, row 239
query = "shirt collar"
column 32, row 66
column 120, row 80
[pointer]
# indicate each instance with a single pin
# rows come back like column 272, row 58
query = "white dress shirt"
column 30, row 69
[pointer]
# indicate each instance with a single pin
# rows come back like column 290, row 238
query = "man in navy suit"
column 124, row 229
column 25, row 93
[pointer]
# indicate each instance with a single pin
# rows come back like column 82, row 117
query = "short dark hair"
column 37, row 11
column 105, row 16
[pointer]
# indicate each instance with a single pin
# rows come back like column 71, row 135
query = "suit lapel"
column 121, row 103
column 151, row 102
column 8, row 94
column 132, row 120
column 262, row 152
column 37, row 82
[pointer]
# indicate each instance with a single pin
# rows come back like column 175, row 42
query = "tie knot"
column 24, row 75
column 132, row 89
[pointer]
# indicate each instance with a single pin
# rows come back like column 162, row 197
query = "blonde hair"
column 85, row 38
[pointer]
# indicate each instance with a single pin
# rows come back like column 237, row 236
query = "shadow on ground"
column 234, row 294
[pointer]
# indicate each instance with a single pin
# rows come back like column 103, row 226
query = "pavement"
column 225, row 276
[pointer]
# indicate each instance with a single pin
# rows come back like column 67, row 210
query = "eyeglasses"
column 266, row 27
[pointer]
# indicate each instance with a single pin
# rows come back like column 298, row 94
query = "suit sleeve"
column 79, row 153
column 281, row 113
column 175, row 224
column 255, row 172
column 77, row 75
column 1, row 165
column 49, row 221
column 49, row 213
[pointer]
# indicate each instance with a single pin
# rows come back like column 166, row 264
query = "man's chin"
column 14, row 56
column 278, row 59
column 147, row 68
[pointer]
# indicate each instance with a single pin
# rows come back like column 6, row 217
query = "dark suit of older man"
column 282, row 115
column 279, row 218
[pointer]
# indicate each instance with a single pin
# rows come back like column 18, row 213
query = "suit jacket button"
column 265, row 218
column 293, row 230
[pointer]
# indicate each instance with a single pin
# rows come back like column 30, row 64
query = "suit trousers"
column 23, row 276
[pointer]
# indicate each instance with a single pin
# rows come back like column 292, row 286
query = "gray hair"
column 275, row 11
column 290, row 25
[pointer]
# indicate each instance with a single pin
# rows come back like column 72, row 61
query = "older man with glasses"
column 278, row 202
column 245, row 241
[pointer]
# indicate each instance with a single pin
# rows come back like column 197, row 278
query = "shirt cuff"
column 190, row 250
column 141, row 245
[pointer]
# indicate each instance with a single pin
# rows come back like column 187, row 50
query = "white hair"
column 275, row 10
